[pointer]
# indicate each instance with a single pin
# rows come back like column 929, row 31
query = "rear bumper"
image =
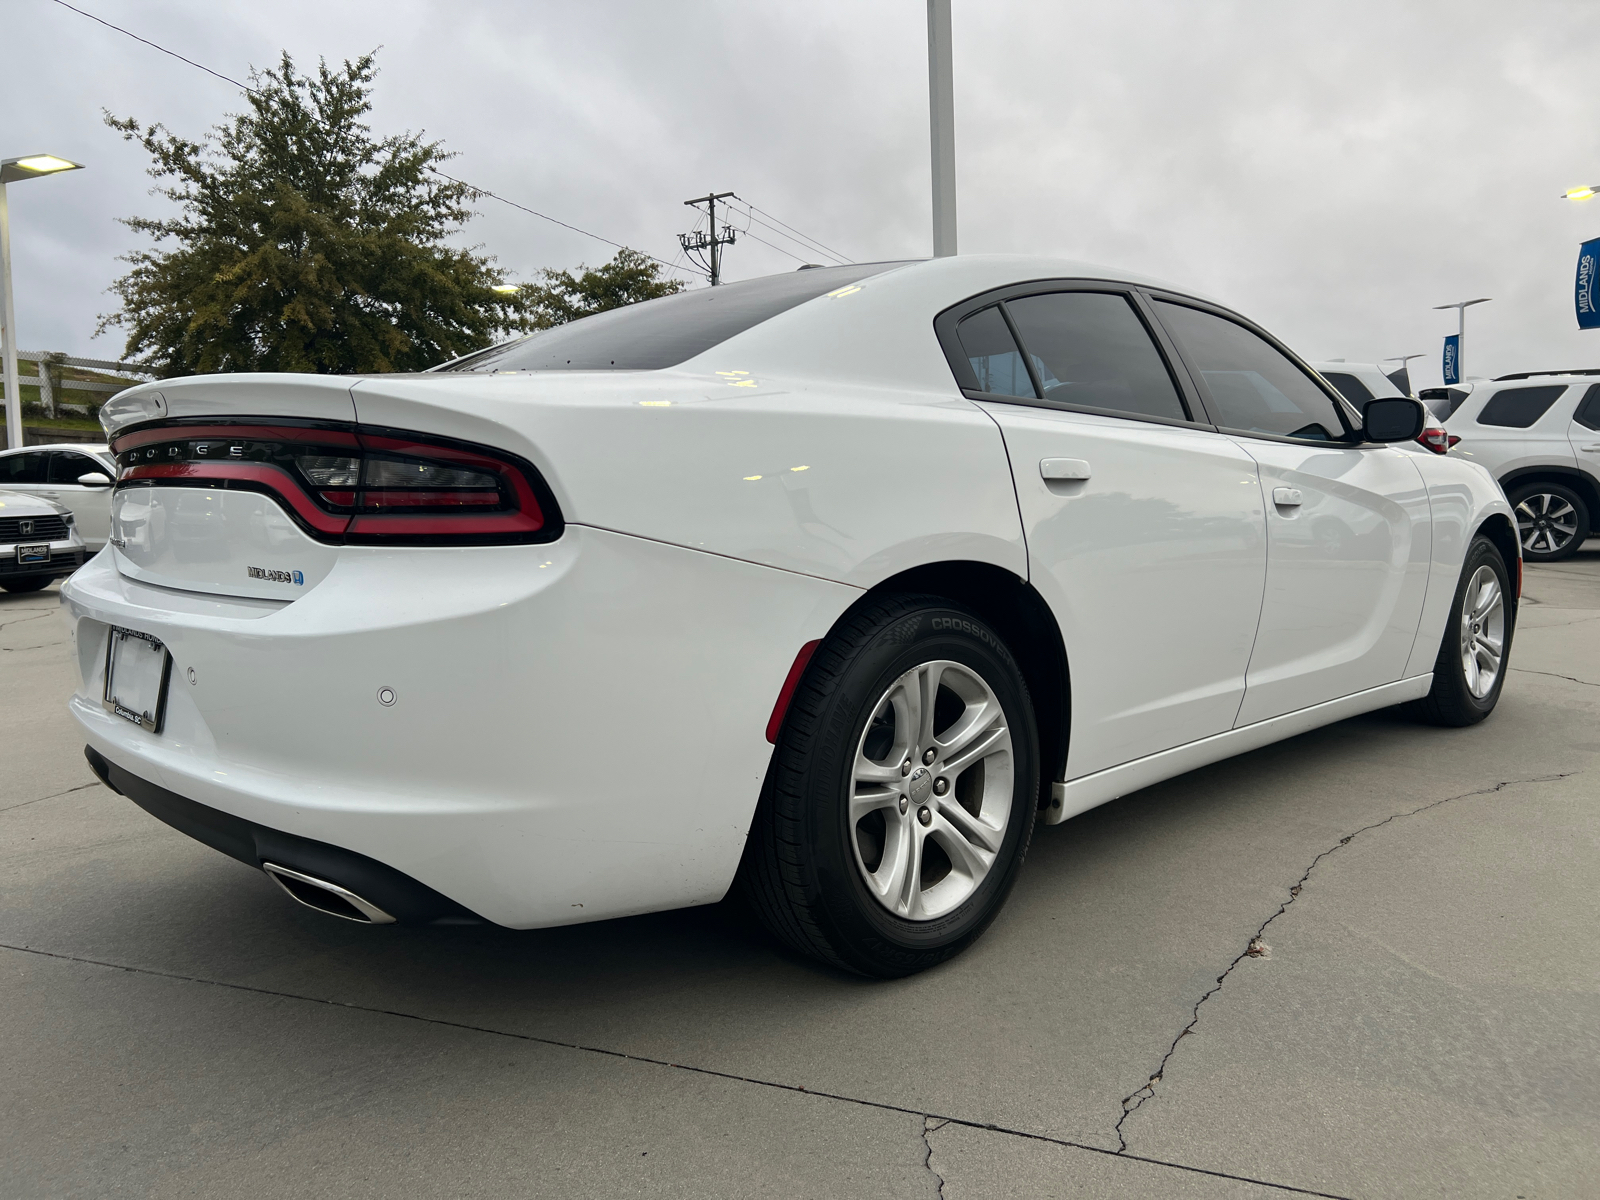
column 410, row 902
column 577, row 729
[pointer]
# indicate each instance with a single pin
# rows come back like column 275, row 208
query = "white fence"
column 50, row 381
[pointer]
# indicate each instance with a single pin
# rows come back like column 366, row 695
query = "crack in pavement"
column 646, row 1060
column 21, row 620
column 1132, row 1102
column 40, row 646
column 1554, row 675
column 929, row 1125
column 52, row 796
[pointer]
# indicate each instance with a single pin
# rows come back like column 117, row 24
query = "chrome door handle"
column 1287, row 497
column 1063, row 469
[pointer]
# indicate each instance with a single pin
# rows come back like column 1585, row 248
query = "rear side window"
column 1351, row 388
column 1092, row 350
column 23, row 468
column 1519, row 408
column 991, row 350
column 1253, row 387
column 1588, row 414
column 667, row 331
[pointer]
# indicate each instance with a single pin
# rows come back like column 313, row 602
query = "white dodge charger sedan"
column 827, row 585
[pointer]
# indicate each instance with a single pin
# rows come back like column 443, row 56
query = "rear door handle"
column 1592, row 448
column 1287, row 497
column 1063, row 468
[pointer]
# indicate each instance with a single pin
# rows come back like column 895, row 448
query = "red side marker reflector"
column 775, row 722
column 1519, row 577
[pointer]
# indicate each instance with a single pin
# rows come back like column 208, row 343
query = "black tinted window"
column 987, row 342
column 1090, row 348
column 23, row 468
column 1518, row 408
column 1351, row 388
column 1588, row 414
column 665, row 332
column 1253, row 387
column 65, row 466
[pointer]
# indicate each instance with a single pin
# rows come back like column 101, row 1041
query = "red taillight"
column 1437, row 440
column 352, row 484
column 786, row 693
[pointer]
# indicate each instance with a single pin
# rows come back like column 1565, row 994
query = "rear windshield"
column 664, row 332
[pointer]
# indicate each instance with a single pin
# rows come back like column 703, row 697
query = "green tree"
column 303, row 243
column 627, row 279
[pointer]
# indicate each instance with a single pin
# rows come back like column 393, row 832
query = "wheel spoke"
column 928, row 677
column 971, row 860
column 971, row 828
column 870, row 799
column 995, row 737
column 888, row 881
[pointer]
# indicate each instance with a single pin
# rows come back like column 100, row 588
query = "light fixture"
column 507, row 289
column 31, row 166
column 1581, row 193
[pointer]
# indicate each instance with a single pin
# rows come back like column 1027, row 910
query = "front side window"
column 1519, row 408
column 1253, row 386
column 1588, row 414
column 65, row 466
column 1091, row 349
column 988, row 345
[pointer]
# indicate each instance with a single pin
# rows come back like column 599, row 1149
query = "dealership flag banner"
column 1452, row 358
column 1585, row 297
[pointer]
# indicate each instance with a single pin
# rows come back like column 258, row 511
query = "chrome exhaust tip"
column 326, row 897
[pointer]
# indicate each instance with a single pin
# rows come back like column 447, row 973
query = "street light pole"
column 1461, row 307
column 942, row 128
column 11, row 170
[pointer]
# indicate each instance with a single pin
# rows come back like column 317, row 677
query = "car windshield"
column 667, row 331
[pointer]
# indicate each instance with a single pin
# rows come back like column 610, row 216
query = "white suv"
column 1538, row 433
column 1357, row 382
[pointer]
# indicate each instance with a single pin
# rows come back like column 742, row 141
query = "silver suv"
column 1538, row 433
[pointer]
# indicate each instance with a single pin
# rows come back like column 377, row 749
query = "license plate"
column 33, row 554
column 137, row 667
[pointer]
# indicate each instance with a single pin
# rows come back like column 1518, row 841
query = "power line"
column 752, row 219
column 474, row 187
column 793, row 230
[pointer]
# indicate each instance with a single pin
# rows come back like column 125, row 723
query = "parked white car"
column 38, row 542
column 1538, row 434
column 827, row 582
column 77, row 475
column 1357, row 382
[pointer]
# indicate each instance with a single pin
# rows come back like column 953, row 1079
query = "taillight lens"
column 353, row 483
column 1437, row 440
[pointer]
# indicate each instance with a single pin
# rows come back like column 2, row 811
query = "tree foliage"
column 304, row 243
column 627, row 279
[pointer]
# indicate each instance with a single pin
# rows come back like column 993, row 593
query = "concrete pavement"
column 1422, row 1014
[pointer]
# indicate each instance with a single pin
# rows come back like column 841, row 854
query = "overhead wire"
column 481, row 191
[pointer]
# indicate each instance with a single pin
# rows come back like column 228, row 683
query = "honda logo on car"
column 273, row 575
column 25, row 527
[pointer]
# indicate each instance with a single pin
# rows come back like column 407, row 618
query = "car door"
column 1144, row 526
column 1584, row 434
column 1349, row 533
column 90, row 505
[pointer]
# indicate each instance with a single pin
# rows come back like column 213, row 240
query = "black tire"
column 32, row 583
column 1545, row 539
column 1451, row 701
column 800, row 871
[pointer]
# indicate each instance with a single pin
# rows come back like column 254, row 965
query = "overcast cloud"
column 1331, row 169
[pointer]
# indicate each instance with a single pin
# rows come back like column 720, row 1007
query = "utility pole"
column 709, row 240
column 942, row 128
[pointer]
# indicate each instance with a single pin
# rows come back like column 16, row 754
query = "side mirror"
column 1393, row 419
column 95, row 479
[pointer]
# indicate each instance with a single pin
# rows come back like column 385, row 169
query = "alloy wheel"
column 931, row 791
column 1483, row 632
column 1546, row 523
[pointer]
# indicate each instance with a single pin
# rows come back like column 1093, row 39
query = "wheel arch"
column 1569, row 477
column 1019, row 614
column 1497, row 527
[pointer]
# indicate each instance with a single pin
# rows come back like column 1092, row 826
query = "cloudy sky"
column 1331, row 169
